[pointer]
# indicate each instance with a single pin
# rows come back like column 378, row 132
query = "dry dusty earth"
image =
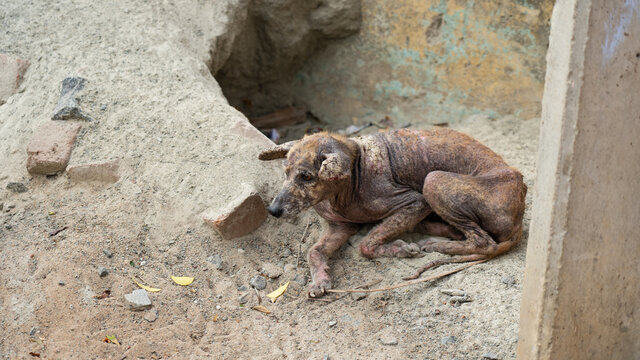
column 159, row 111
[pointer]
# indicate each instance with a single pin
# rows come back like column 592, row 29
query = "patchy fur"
column 439, row 182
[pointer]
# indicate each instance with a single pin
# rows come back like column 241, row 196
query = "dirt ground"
column 158, row 110
column 205, row 319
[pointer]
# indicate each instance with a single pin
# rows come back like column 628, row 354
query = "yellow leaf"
column 215, row 317
column 182, row 280
column 52, row 212
column 112, row 339
column 278, row 292
column 148, row 288
column 262, row 309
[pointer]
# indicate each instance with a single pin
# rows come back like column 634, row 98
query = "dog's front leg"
column 333, row 238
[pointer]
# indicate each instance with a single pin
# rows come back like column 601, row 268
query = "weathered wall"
column 436, row 59
column 581, row 295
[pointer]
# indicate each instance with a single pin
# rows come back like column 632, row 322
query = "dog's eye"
column 306, row 177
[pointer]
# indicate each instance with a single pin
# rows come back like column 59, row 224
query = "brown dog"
column 439, row 182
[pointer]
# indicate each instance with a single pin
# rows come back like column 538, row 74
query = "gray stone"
column 17, row 187
column 151, row 316
column 509, row 280
column 33, row 331
column 453, row 292
column 244, row 298
column 138, row 300
column 243, row 288
column 332, row 323
column 258, row 282
column 388, row 340
column 286, row 252
column 271, row 270
column 216, row 260
column 456, row 300
column 61, row 283
column 448, row 340
column 326, row 357
column 490, row 356
column 68, row 107
column 358, row 296
column 102, row 271
column 107, row 253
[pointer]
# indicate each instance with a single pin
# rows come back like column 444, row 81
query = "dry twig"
column 407, row 283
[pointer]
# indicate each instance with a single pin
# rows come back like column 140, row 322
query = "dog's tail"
column 501, row 248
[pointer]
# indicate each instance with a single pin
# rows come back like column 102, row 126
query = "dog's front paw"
column 319, row 288
column 427, row 245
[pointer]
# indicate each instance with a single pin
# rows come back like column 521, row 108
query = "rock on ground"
column 240, row 216
column 50, row 147
column 12, row 71
column 138, row 300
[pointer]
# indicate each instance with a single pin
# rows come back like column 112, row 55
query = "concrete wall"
column 581, row 294
column 440, row 60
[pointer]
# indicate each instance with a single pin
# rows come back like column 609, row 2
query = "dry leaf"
column 111, row 339
column 34, row 354
column 278, row 292
column 148, row 288
column 182, row 280
column 215, row 317
column 262, row 309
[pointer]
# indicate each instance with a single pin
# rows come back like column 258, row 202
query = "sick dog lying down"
column 439, row 182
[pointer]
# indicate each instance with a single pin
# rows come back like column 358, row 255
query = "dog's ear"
column 335, row 166
column 277, row 152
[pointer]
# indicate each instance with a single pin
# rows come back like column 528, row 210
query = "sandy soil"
column 177, row 161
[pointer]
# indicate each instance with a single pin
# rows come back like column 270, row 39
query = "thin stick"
column 304, row 233
column 410, row 282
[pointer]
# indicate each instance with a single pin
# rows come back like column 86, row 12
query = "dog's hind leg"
column 494, row 200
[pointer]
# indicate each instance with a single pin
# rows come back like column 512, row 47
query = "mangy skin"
column 438, row 182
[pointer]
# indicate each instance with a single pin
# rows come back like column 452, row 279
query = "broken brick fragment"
column 240, row 217
column 50, row 147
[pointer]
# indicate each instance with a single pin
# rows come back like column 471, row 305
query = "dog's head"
column 317, row 166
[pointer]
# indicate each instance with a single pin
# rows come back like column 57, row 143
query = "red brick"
column 50, row 147
column 11, row 72
column 107, row 172
column 243, row 215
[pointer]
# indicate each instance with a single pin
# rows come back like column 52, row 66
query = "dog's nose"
column 275, row 211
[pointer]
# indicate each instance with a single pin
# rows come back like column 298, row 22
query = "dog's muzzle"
column 275, row 210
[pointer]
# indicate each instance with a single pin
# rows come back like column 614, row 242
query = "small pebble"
column 216, row 260
column 138, row 300
column 243, row 288
column 289, row 268
column 448, row 340
column 258, row 282
column 272, row 271
column 17, row 187
column 244, row 298
column 61, row 283
column 107, row 253
column 241, row 251
column 436, row 312
column 326, row 357
column 332, row 323
column 358, row 296
column 490, row 356
column 285, row 253
column 11, row 206
column 102, row 271
column 509, row 280
column 151, row 316
column 388, row 340
column 33, row 331
column 460, row 299
column 8, row 226
column 453, row 292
